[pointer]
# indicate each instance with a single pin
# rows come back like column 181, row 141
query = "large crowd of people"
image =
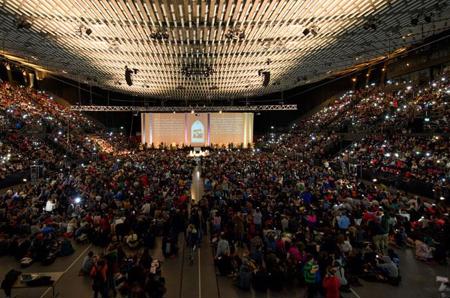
column 288, row 211
column 295, row 212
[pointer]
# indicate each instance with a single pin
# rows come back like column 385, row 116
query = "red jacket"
column 331, row 285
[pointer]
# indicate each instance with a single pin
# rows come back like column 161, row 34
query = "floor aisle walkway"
column 198, row 279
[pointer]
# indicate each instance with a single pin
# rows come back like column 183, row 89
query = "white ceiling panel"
column 234, row 39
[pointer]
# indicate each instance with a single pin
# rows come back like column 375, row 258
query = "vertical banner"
column 143, row 128
column 209, row 130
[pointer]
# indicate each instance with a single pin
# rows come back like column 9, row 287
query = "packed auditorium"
column 224, row 148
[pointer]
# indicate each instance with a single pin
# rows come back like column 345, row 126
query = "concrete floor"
column 199, row 280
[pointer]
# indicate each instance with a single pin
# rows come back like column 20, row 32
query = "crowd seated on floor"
column 288, row 211
column 290, row 215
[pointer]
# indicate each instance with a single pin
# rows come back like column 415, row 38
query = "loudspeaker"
column 128, row 79
column 266, row 80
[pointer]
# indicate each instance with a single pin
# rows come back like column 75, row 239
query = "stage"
column 197, row 129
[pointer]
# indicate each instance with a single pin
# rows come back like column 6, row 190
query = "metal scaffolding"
column 201, row 109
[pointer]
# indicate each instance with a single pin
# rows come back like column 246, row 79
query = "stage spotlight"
column 22, row 23
column 306, row 31
column 415, row 21
column 427, row 18
column 88, row 31
column 373, row 26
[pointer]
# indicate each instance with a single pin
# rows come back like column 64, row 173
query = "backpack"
column 66, row 248
column 49, row 259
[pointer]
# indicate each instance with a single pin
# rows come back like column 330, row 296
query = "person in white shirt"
column 50, row 205
column 223, row 247
column 146, row 208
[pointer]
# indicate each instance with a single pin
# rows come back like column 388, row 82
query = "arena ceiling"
column 211, row 49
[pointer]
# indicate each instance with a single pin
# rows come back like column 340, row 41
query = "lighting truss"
column 255, row 108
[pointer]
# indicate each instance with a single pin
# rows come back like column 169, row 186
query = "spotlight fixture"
column 313, row 29
column 235, row 34
column 159, row 35
column 415, row 21
column 370, row 24
column 84, row 30
column 22, row 22
column 198, row 70
column 427, row 18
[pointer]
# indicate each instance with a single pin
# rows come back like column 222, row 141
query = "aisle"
column 197, row 189
column 199, row 278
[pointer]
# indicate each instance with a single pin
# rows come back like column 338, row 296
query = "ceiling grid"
column 298, row 41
